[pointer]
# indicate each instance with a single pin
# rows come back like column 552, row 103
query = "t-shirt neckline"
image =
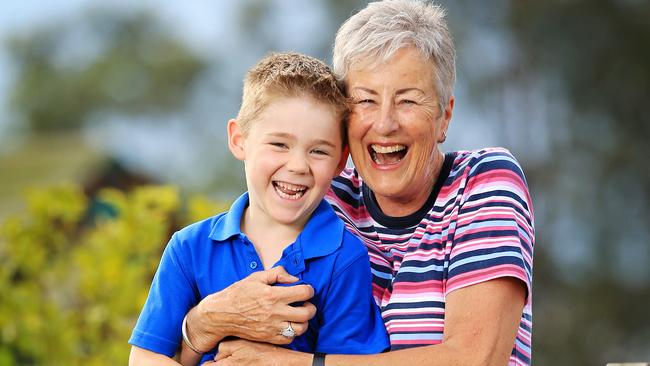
column 408, row 221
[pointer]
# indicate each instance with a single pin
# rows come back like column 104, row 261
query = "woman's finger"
column 296, row 314
column 292, row 294
column 299, row 328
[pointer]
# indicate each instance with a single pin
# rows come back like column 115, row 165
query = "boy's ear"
column 236, row 140
column 344, row 159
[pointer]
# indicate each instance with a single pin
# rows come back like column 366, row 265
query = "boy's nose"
column 298, row 163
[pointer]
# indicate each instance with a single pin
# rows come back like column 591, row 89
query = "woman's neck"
column 404, row 205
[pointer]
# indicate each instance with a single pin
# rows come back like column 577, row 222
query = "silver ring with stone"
column 288, row 331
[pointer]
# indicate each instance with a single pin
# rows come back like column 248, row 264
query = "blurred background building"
column 121, row 93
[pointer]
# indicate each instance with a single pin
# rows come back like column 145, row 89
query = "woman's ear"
column 236, row 140
column 447, row 113
column 344, row 159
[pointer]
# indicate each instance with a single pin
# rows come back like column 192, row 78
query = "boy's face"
column 290, row 155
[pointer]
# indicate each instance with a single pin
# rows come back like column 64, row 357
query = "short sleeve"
column 350, row 319
column 494, row 234
column 171, row 296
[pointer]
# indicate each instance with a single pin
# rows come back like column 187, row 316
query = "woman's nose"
column 386, row 122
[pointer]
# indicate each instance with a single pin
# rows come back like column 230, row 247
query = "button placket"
column 251, row 254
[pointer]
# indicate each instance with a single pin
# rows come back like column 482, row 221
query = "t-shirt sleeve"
column 171, row 296
column 350, row 319
column 494, row 234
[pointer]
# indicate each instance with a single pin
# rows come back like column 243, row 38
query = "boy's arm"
column 188, row 357
column 157, row 334
column 142, row 357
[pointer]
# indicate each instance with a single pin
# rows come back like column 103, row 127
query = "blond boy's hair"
column 289, row 75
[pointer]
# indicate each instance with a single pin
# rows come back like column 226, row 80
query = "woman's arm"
column 480, row 326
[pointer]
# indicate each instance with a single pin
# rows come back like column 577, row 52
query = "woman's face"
column 395, row 126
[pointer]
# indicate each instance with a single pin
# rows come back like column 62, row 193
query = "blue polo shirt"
column 212, row 254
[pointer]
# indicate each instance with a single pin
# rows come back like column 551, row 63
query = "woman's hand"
column 251, row 309
column 243, row 353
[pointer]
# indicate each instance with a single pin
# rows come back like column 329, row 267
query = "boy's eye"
column 278, row 144
column 320, row 152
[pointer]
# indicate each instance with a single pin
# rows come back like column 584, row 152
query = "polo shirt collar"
column 323, row 233
column 229, row 224
column 321, row 236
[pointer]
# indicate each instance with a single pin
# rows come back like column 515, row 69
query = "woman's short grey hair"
column 375, row 33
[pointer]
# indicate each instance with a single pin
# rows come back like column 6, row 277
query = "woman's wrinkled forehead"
column 372, row 60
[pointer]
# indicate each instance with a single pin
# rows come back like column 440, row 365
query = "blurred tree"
column 135, row 66
column 72, row 291
column 596, row 181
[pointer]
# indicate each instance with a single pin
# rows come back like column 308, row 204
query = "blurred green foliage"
column 74, row 277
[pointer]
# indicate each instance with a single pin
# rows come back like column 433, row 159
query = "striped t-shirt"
column 477, row 225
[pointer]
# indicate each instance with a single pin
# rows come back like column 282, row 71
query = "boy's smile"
column 290, row 153
column 289, row 191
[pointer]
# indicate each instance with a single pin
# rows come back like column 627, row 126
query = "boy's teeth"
column 289, row 191
column 387, row 149
column 291, row 187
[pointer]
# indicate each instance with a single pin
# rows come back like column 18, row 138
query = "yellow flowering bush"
column 75, row 271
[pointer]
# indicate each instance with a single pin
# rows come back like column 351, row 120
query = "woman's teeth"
column 387, row 149
column 387, row 154
column 289, row 191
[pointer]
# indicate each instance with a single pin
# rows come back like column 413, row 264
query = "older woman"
column 450, row 236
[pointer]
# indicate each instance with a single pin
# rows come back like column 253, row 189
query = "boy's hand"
column 251, row 309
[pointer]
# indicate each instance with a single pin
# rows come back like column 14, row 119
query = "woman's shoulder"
column 490, row 175
column 479, row 155
column 473, row 162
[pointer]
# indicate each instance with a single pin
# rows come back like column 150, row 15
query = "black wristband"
column 319, row 359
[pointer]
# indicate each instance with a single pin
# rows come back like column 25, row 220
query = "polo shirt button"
column 253, row 265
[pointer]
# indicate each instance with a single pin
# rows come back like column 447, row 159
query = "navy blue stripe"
column 490, row 233
column 414, row 305
column 484, row 264
column 496, row 194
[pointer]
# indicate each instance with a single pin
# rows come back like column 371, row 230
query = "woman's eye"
column 365, row 101
column 407, row 101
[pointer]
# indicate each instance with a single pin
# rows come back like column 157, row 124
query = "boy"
column 290, row 134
